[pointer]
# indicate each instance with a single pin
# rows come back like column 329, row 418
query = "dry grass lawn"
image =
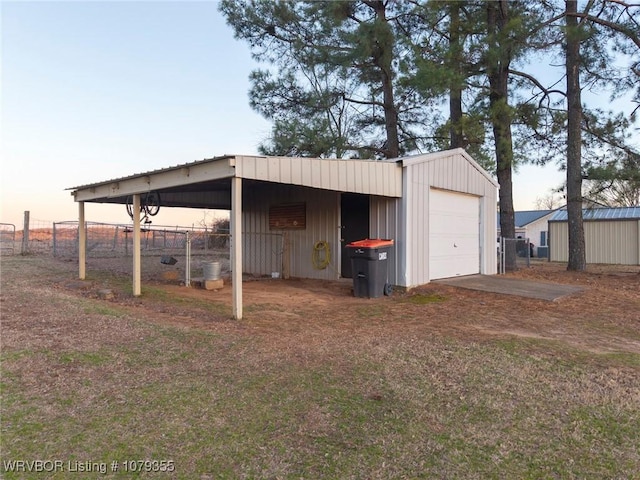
column 438, row 382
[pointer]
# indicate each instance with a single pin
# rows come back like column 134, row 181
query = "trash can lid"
column 371, row 243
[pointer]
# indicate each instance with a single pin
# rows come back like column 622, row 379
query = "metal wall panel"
column 416, row 207
column 405, row 220
column 322, row 210
column 606, row 241
column 612, row 242
column 453, row 171
column 356, row 176
column 384, row 222
column 558, row 242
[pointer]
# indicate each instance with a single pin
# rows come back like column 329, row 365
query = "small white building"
column 532, row 224
column 438, row 208
column 611, row 235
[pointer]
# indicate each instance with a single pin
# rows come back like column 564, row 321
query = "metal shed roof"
column 526, row 217
column 355, row 176
column 621, row 213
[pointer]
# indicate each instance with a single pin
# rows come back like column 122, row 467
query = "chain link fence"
column 7, row 239
column 35, row 238
column 169, row 253
column 513, row 254
column 173, row 253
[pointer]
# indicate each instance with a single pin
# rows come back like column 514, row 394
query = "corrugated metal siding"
column 416, row 206
column 322, row 208
column 406, row 220
column 488, row 255
column 450, row 171
column 612, row 242
column 384, row 223
column 356, row 176
column 558, row 242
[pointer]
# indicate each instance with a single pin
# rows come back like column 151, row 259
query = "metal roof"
column 151, row 172
column 214, row 174
column 621, row 213
column 526, row 217
column 197, row 183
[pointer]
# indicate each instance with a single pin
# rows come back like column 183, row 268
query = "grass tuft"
column 425, row 299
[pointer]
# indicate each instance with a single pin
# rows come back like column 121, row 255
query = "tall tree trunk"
column 455, row 88
column 499, row 58
column 577, row 254
column 383, row 60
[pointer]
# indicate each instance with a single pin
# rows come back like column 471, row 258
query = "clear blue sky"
column 98, row 90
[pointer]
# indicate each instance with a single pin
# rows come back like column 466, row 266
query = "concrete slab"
column 512, row 286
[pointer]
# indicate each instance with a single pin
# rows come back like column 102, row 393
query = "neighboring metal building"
column 438, row 208
column 612, row 235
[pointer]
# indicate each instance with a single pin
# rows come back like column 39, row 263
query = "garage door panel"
column 454, row 234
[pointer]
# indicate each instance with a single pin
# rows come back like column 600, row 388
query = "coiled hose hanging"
column 321, row 255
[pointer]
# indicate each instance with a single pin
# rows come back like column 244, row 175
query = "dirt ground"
column 437, row 382
column 604, row 318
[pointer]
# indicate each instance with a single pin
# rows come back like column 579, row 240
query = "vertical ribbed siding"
column 488, row 223
column 607, row 241
column 417, row 208
column 261, row 248
column 558, row 242
column 322, row 209
column 406, row 220
column 449, row 171
column 357, row 176
column 384, row 223
column 611, row 242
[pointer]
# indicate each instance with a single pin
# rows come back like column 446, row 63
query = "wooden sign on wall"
column 288, row 216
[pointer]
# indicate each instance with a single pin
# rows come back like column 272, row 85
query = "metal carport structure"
column 217, row 183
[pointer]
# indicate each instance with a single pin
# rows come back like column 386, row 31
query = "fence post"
column 187, row 268
column 25, row 233
column 115, row 239
column 55, row 243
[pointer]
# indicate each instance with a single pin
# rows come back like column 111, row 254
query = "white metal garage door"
column 454, row 234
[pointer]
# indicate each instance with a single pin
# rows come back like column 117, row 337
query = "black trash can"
column 369, row 267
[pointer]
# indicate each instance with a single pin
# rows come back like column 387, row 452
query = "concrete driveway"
column 512, row 286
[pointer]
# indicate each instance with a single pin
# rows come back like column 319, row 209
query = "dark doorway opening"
column 354, row 225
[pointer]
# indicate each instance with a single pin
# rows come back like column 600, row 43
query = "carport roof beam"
column 196, row 172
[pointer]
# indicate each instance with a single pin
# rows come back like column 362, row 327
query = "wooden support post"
column 82, row 243
column 137, row 290
column 236, row 250
column 25, row 233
